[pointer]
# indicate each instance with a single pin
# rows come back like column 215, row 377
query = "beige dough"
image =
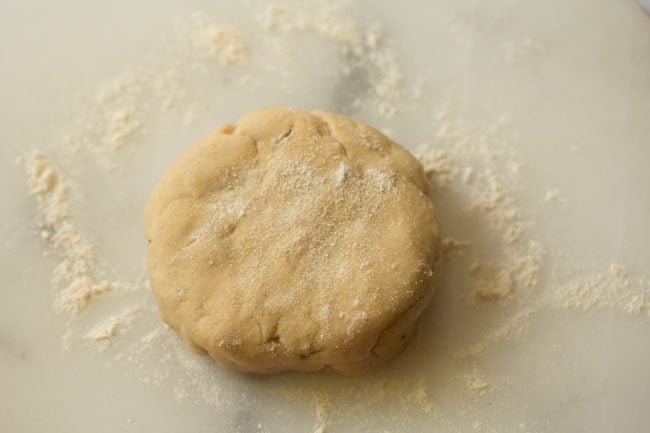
column 293, row 241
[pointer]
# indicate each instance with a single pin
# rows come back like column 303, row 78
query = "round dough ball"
column 293, row 241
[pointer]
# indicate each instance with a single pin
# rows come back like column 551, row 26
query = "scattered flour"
column 552, row 196
column 454, row 248
column 214, row 41
column 512, row 329
column 115, row 117
column 383, row 180
column 639, row 304
column 618, row 270
column 341, row 173
column 477, row 383
column 118, row 324
column 476, row 164
column 75, row 276
column 321, row 409
column 364, row 47
column 611, row 289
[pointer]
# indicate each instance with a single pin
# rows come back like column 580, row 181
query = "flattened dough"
column 293, row 241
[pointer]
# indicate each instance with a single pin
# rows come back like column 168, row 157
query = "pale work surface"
column 530, row 117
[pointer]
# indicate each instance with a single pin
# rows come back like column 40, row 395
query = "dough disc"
column 293, row 241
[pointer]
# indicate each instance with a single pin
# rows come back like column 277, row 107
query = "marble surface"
column 587, row 89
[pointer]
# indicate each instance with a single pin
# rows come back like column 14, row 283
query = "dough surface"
column 293, row 241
